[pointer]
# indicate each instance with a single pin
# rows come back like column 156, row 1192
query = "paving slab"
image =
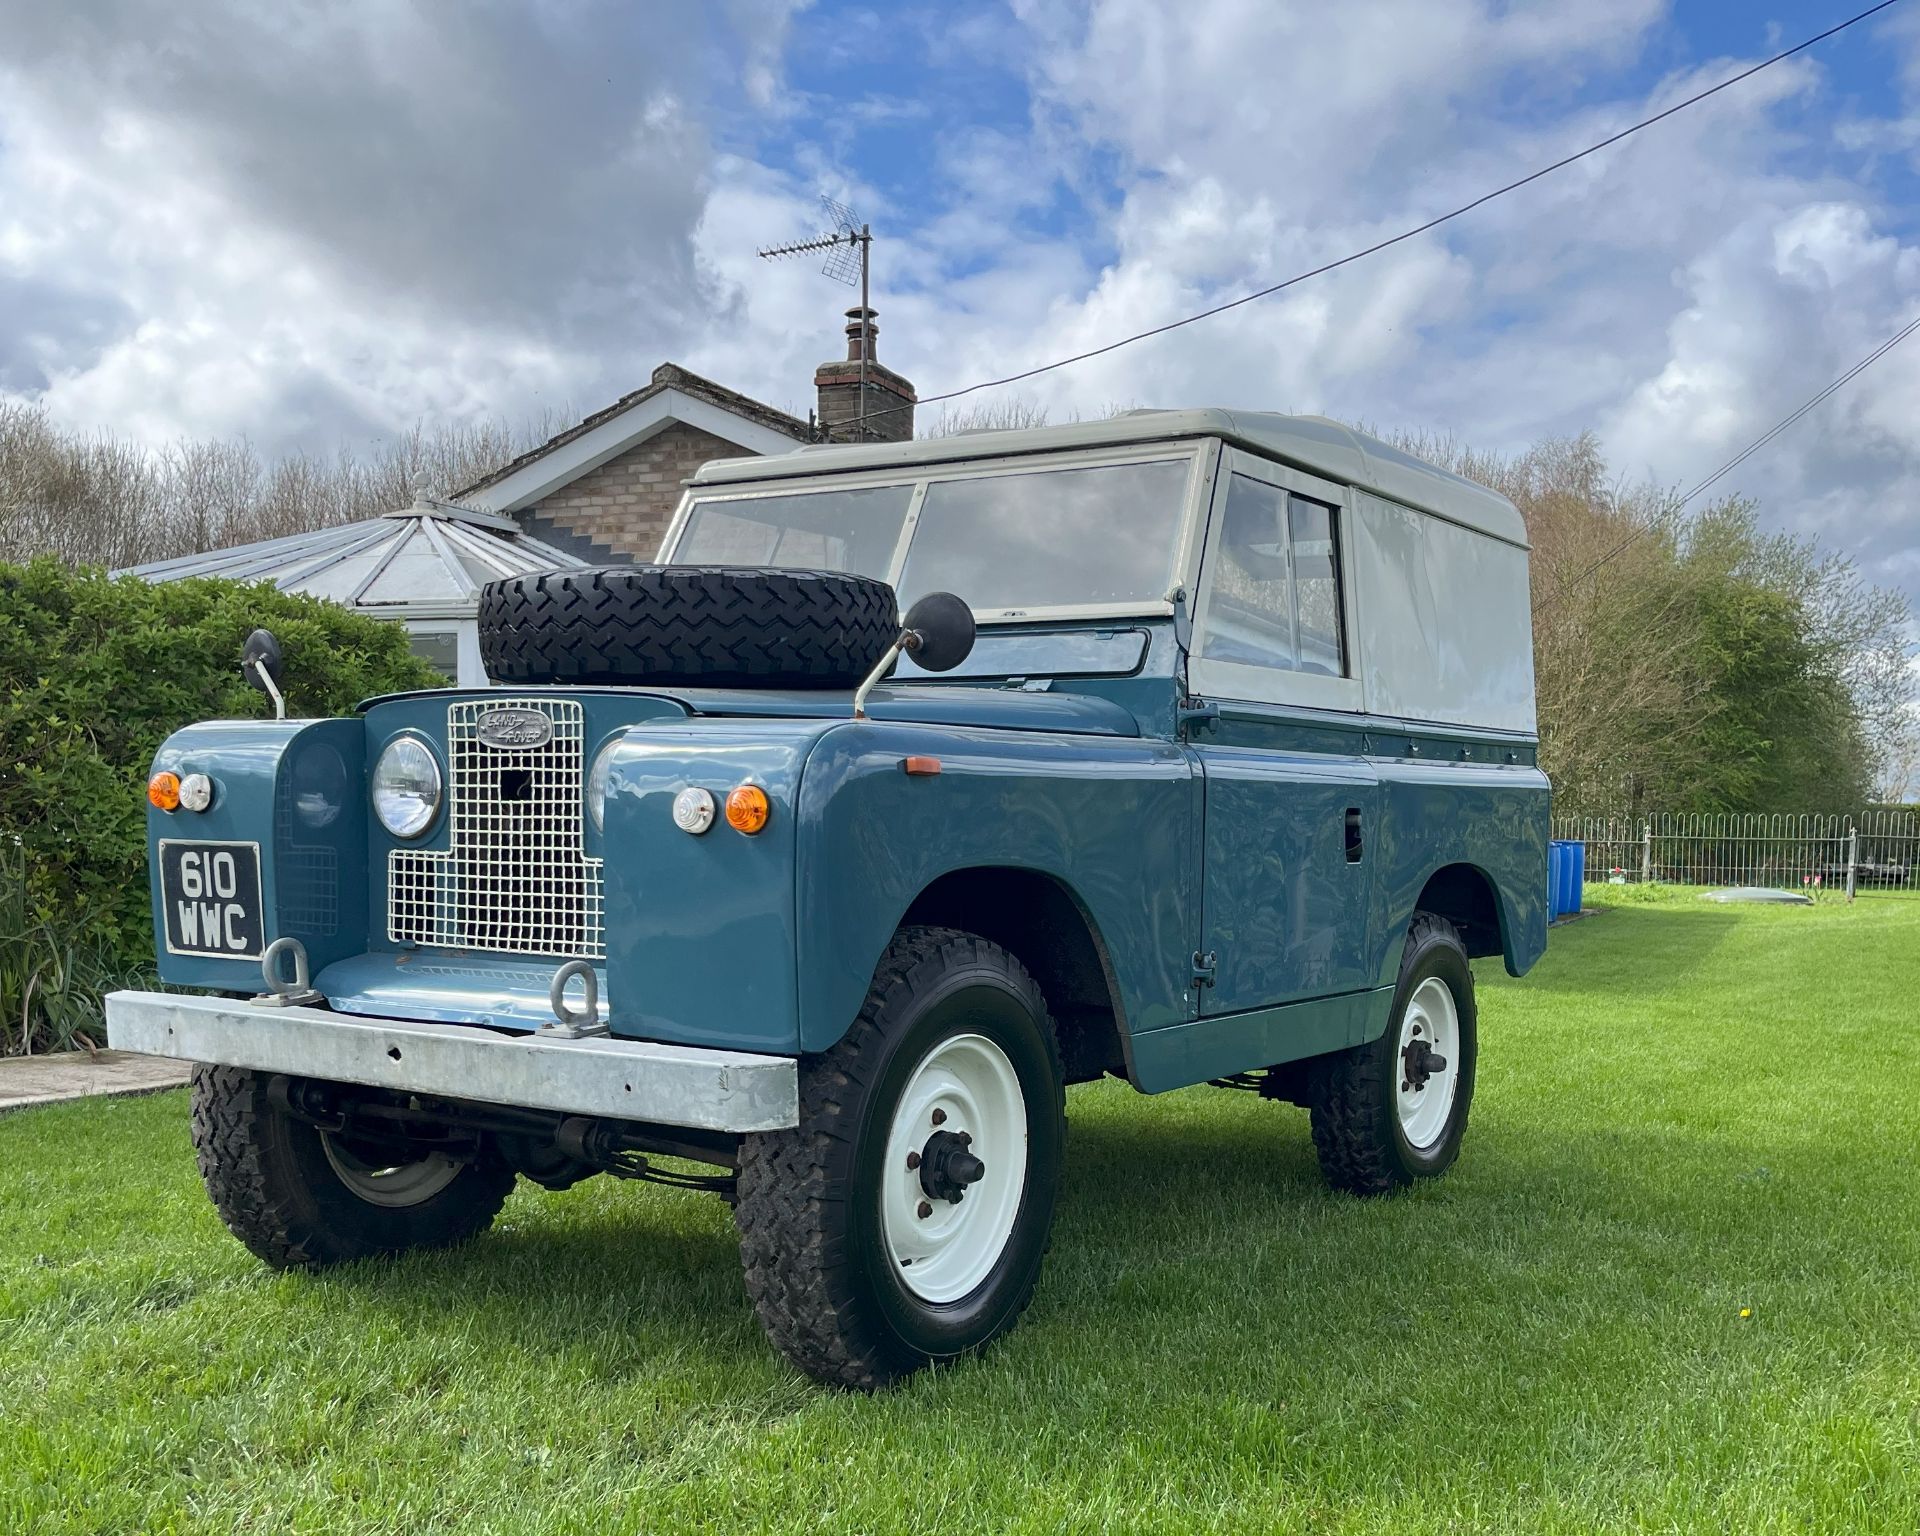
column 29, row 1080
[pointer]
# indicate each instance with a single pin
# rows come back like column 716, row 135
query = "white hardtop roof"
column 1314, row 443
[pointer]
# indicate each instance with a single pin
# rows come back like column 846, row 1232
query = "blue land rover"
column 1204, row 753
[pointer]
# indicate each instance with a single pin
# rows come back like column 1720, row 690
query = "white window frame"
column 469, row 671
column 1232, row 680
column 1182, row 553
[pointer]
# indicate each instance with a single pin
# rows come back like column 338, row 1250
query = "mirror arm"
column 273, row 691
column 909, row 641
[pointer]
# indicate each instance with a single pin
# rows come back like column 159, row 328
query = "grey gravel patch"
column 1759, row 893
column 26, row 1081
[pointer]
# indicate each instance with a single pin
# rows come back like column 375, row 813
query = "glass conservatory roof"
column 428, row 560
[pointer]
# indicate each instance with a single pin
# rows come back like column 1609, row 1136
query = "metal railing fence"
column 1878, row 850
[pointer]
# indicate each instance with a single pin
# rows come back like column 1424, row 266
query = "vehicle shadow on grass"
column 629, row 1279
column 1200, row 1217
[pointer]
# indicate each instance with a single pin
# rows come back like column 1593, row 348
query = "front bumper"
column 681, row 1085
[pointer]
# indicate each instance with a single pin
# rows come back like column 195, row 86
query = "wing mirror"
column 260, row 665
column 937, row 633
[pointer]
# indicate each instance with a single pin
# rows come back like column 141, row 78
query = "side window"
column 1275, row 600
column 1316, row 588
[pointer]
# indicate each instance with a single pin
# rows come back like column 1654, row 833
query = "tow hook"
column 1421, row 1062
column 947, row 1167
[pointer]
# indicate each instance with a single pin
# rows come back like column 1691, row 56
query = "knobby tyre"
column 820, row 1206
column 291, row 1198
column 714, row 626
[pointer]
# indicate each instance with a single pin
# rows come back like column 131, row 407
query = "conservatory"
column 422, row 567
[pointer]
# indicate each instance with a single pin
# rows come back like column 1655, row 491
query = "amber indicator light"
column 163, row 791
column 920, row 764
column 747, row 808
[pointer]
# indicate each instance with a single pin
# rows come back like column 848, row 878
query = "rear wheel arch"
column 1042, row 923
column 1465, row 895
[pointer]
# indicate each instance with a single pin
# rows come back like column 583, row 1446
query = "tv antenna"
column 843, row 266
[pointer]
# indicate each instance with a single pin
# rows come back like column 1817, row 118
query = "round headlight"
column 406, row 787
column 597, row 786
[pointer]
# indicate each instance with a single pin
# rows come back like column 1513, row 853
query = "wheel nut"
column 913, row 1159
column 926, row 1209
column 939, row 1117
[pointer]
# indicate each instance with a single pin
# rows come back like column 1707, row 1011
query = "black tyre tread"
column 720, row 626
column 1347, row 1091
column 789, row 1242
column 234, row 1131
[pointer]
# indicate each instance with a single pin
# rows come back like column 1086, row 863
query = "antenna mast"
column 843, row 266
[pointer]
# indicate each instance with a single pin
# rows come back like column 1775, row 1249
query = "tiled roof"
column 666, row 376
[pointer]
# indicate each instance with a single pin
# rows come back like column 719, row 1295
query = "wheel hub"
column 1419, row 1063
column 947, row 1166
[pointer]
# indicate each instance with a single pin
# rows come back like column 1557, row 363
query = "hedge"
column 95, row 673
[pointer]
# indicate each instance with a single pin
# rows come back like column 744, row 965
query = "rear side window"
column 1276, row 583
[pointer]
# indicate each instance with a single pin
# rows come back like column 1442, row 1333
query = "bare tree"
column 102, row 500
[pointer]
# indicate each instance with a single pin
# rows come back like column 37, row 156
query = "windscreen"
column 1093, row 536
column 827, row 530
column 1099, row 537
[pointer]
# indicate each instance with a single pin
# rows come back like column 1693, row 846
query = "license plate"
column 211, row 896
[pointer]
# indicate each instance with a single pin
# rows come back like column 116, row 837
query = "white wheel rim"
column 964, row 1085
column 1425, row 1104
column 395, row 1185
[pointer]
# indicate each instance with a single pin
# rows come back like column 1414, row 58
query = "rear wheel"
column 905, row 1218
column 1395, row 1110
column 301, row 1197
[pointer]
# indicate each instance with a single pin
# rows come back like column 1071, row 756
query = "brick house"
column 605, row 489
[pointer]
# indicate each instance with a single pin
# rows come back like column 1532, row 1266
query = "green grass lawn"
column 1673, row 1283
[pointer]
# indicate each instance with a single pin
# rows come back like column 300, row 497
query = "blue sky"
column 310, row 225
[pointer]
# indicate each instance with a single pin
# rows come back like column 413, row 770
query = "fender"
column 1423, row 804
column 1115, row 819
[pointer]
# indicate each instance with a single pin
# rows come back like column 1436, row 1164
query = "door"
column 1290, row 800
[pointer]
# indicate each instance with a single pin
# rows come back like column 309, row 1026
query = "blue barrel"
column 1566, row 873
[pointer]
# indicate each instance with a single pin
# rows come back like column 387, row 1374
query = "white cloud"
column 302, row 224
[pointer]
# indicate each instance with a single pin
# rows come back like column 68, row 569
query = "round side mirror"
column 938, row 632
column 261, row 659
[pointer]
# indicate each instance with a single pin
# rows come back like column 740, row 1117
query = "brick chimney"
column 889, row 398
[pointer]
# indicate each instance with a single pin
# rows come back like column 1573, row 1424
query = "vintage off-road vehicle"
column 1234, row 777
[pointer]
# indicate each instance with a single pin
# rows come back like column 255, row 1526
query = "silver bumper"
column 627, row 1079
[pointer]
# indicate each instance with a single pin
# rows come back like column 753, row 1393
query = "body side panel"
column 1184, row 1054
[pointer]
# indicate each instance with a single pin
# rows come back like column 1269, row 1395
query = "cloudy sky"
column 304, row 223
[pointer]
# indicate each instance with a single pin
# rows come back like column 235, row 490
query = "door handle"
column 1356, row 844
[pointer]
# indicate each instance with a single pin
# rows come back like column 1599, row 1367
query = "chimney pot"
column 889, row 399
column 862, row 334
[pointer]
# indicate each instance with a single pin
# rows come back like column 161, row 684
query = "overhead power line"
column 1409, row 234
column 1641, row 530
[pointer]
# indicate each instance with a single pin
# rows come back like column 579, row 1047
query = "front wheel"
column 1394, row 1110
column 301, row 1198
column 903, row 1221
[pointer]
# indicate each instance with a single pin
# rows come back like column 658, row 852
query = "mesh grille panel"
column 515, row 877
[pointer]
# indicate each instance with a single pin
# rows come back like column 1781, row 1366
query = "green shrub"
column 94, row 674
column 51, row 981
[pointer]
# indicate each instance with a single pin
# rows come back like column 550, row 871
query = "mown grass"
column 1674, row 1283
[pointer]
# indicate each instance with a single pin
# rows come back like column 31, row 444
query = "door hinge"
column 1205, row 968
column 1195, row 715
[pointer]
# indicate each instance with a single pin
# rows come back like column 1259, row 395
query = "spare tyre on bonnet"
column 720, row 626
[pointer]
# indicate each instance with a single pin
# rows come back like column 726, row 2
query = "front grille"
column 515, row 876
